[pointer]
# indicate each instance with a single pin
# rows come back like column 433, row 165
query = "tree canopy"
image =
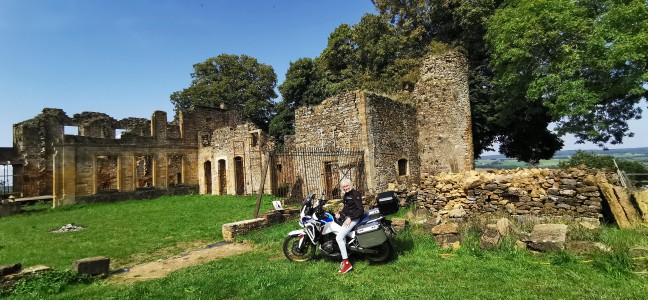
column 583, row 62
column 579, row 66
column 239, row 82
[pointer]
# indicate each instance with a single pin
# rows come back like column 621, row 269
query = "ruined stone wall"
column 89, row 168
column 444, row 120
column 335, row 123
column 381, row 127
column 243, row 142
column 536, row 192
column 391, row 128
column 33, row 142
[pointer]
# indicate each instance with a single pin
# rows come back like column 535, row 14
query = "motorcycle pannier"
column 387, row 203
column 370, row 235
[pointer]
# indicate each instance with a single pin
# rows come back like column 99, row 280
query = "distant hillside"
column 564, row 154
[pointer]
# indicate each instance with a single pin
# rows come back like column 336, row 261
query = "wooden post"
column 262, row 185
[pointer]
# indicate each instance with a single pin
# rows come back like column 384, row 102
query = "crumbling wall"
column 222, row 148
column 385, row 129
column 338, row 122
column 96, row 165
column 537, row 192
column 444, row 119
column 33, row 140
column 392, row 136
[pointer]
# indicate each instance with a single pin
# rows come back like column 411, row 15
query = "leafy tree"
column 239, row 82
column 584, row 61
column 364, row 55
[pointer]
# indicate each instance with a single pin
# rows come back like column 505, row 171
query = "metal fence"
column 6, row 180
column 299, row 172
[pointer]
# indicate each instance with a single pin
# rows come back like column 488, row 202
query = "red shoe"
column 345, row 266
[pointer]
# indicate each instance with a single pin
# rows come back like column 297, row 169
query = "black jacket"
column 352, row 204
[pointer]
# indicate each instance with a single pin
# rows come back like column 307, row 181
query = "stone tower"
column 443, row 114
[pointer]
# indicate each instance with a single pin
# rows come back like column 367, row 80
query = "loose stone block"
column 92, row 265
column 548, row 237
column 489, row 239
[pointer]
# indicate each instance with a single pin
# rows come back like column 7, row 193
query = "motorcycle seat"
column 368, row 216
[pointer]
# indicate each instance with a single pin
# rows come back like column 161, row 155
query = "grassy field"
column 127, row 232
column 420, row 271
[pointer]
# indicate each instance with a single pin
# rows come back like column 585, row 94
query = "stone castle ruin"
column 430, row 134
column 149, row 158
column 216, row 151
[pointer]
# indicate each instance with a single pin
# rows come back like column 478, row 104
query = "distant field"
column 502, row 162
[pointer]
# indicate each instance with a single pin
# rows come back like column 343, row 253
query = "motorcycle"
column 372, row 236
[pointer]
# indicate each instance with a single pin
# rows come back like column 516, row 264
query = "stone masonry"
column 536, row 192
column 148, row 158
column 444, row 119
column 431, row 133
column 385, row 129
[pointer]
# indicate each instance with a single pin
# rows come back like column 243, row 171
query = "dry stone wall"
column 537, row 192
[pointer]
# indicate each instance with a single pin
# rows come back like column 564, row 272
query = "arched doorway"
column 208, row 177
column 222, row 177
column 239, row 175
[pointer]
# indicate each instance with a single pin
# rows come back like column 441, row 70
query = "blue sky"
column 124, row 58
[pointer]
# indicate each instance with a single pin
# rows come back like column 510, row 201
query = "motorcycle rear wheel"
column 384, row 253
column 293, row 252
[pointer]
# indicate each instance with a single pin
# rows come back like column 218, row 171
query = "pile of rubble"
column 68, row 228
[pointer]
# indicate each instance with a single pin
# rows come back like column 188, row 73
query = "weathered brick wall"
column 540, row 192
column 391, row 128
column 445, row 130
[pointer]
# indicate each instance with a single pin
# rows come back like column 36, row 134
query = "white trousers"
column 341, row 238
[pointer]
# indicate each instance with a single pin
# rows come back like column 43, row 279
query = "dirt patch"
column 163, row 267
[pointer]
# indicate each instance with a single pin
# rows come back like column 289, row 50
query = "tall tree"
column 585, row 62
column 303, row 86
column 239, row 82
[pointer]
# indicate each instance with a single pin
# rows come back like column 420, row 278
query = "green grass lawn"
column 421, row 270
column 127, row 232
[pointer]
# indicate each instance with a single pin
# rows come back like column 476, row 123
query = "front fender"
column 296, row 232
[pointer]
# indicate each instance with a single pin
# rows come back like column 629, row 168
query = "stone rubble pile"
column 68, row 228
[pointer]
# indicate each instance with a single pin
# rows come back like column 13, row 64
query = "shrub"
column 597, row 161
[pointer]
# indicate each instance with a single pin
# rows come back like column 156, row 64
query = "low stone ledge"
column 10, row 269
column 231, row 230
column 9, row 208
column 9, row 281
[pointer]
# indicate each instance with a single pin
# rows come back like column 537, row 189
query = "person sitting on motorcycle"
column 352, row 212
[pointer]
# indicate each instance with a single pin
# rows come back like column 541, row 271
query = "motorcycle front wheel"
column 293, row 252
